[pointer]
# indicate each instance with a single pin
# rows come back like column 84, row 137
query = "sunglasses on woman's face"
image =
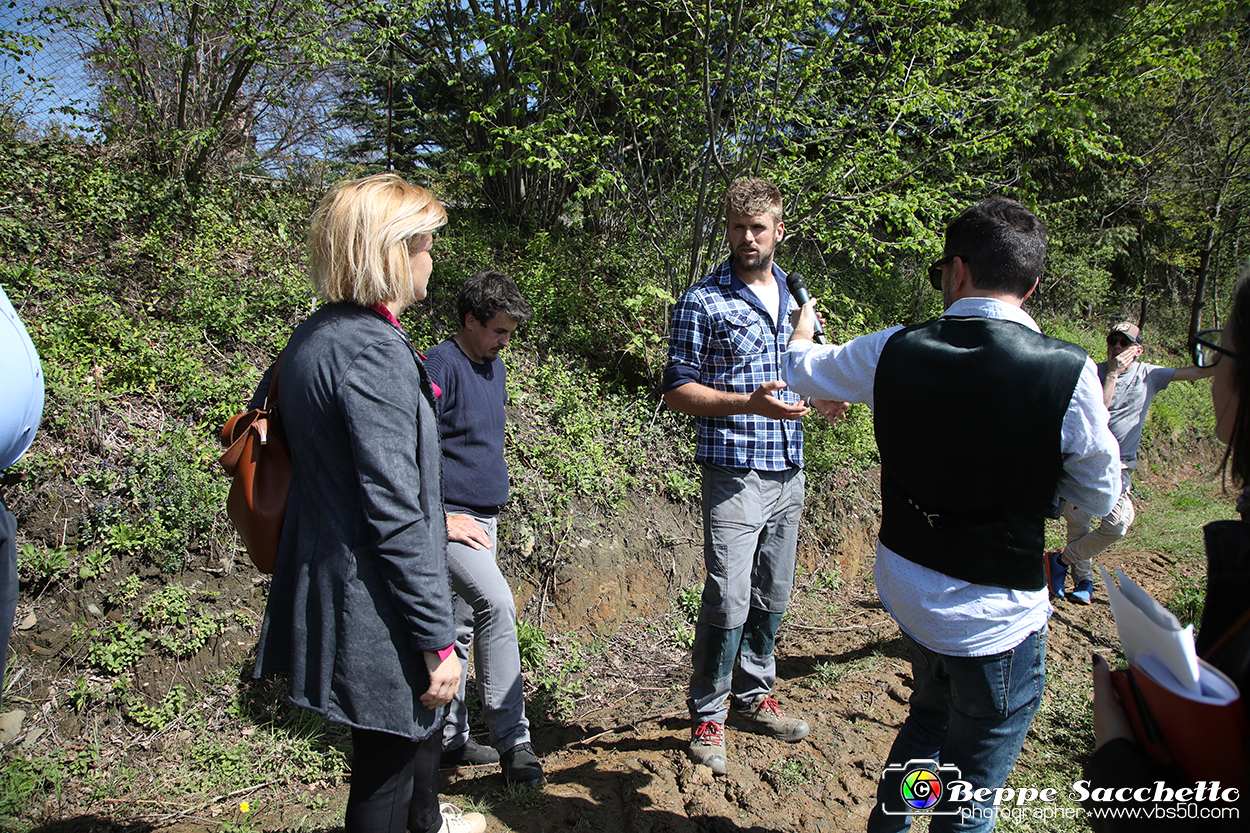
column 1206, row 348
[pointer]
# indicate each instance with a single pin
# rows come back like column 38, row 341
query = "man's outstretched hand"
column 763, row 403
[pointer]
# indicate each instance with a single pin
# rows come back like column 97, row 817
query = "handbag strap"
column 272, row 394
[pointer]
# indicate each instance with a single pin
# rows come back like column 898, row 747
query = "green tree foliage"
column 879, row 121
column 1207, row 151
column 1134, row 218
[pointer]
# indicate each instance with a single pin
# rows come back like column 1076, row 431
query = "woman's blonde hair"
column 361, row 235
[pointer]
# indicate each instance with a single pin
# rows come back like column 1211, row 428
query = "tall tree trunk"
column 188, row 61
column 1204, row 270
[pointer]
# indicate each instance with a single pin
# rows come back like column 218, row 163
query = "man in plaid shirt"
column 730, row 331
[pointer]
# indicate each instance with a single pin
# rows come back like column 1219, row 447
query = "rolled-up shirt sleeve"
column 687, row 344
column 1091, row 455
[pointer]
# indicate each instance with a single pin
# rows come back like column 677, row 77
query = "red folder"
column 1205, row 742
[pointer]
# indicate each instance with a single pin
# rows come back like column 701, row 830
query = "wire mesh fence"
column 205, row 83
column 45, row 82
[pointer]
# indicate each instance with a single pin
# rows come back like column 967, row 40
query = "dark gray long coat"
column 360, row 585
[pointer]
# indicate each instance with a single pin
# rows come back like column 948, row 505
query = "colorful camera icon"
column 919, row 787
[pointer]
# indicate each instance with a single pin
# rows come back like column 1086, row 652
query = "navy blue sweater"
column 471, row 420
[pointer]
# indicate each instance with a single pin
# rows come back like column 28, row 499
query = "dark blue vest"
column 968, row 414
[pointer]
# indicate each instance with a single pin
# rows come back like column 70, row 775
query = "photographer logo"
column 921, row 786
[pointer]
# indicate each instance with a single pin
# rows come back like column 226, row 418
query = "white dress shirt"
column 945, row 614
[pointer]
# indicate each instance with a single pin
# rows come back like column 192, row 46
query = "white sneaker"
column 455, row 821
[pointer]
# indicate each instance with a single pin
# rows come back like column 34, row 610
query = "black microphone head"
column 798, row 287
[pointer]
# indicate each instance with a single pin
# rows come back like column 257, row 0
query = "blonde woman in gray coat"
column 360, row 609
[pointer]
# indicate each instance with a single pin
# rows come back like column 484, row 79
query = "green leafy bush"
column 851, row 443
column 162, row 501
column 180, row 626
column 41, row 566
column 533, row 645
column 117, row 648
column 1189, row 593
column 690, row 602
column 156, row 716
column 21, row 778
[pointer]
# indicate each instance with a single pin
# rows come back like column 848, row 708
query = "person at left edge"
column 359, row 610
column 21, row 406
column 724, row 366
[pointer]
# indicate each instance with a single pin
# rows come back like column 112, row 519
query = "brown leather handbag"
column 258, row 460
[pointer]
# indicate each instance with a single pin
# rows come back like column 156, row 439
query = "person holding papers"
column 1224, row 638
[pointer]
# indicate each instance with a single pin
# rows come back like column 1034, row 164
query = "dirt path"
column 622, row 766
column 848, row 677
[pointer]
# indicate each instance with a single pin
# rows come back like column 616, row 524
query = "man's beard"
column 753, row 263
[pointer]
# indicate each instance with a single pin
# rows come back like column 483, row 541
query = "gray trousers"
column 486, row 617
column 750, row 533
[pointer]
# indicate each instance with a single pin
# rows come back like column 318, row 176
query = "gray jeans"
column 750, row 532
column 486, row 616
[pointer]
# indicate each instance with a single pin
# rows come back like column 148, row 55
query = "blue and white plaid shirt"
column 724, row 339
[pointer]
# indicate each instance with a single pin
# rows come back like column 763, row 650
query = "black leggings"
column 394, row 784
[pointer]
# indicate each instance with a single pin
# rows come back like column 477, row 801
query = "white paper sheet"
column 1217, row 688
column 1148, row 629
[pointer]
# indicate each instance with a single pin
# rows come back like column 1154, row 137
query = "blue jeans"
column 970, row 712
column 486, row 617
column 750, row 531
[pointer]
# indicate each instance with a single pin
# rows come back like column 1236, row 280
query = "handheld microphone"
column 798, row 288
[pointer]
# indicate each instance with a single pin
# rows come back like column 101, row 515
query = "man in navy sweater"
column 472, row 393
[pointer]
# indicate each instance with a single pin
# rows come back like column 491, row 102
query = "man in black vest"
column 983, row 424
